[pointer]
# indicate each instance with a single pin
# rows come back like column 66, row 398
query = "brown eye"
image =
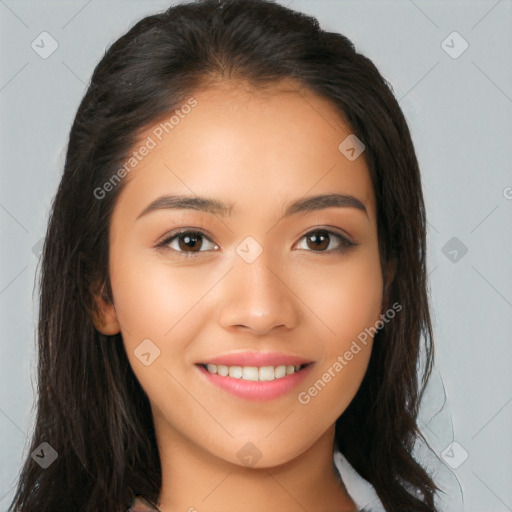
column 320, row 239
column 188, row 242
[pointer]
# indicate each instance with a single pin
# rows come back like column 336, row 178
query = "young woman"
column 233, row 287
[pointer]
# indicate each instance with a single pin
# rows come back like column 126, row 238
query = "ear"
column 105, row 316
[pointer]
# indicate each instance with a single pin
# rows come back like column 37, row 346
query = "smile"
column 253, row 373
column 255, row 383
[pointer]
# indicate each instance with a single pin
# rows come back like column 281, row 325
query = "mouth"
column 255, row 376
column 254, row 373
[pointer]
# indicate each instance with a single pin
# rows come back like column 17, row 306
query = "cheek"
column 157, row 302
column 151, row 297
column 154, row 302
column 345, row 297
column 348, row 301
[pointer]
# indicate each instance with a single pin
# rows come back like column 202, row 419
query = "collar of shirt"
column 359, row 489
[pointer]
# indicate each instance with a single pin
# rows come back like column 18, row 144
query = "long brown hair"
column 90, row 407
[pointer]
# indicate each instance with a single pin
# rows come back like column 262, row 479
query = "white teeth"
column 250, row 373
column 222, row 370
column 279, row 372
column 253, row 373
column 235, row 372
column 267, row 373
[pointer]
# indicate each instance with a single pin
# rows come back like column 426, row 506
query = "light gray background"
column 460, row 115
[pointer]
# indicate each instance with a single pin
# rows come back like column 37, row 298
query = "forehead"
column 239, row 143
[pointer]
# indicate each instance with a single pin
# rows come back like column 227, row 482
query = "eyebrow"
column 216, row 207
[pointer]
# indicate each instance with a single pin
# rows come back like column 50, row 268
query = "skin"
column 258, row 149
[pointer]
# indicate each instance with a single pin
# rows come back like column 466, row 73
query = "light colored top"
column 360, row 490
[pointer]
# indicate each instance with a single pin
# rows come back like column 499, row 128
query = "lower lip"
column 257, row 390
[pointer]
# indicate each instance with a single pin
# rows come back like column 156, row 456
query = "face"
column 256, row 284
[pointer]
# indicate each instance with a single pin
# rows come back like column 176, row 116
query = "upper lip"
column 256, row 359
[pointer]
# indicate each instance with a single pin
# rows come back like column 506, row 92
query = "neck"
column 196, row 480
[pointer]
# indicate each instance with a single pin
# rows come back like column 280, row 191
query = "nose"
column 257, row 298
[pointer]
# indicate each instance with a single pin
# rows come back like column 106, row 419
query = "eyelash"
column 345, row 243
